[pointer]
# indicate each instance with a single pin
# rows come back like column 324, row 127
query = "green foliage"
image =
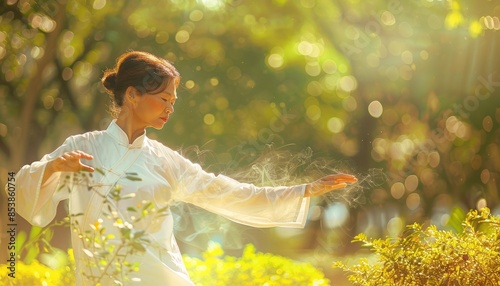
column 108, row 251
column 434, row 257
column 253, row 268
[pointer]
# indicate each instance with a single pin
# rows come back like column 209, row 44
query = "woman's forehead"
column 170, row 89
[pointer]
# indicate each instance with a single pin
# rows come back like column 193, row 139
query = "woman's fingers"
column 329, row 183
column 70, row 162
column 86, row 168
column 341, row 178
column 338, row 186
column 84, row 155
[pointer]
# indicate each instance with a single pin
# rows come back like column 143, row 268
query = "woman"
column 143, row 89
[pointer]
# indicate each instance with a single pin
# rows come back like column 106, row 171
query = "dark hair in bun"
column 109, row 82
column 145, row 72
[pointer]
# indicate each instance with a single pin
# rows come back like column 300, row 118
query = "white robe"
column 165, row 177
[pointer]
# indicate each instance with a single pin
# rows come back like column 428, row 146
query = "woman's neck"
column 133, row 131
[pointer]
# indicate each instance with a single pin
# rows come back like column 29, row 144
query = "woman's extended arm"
column 246, row 203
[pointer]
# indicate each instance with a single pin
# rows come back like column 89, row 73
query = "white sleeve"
column 243, row 203
column 35, row 202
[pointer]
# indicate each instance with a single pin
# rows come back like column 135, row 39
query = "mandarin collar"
column 121, row 137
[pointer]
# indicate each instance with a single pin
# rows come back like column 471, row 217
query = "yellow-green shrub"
column 253, row 268
column 434, row 257
column 250, row 269
column 38, row 274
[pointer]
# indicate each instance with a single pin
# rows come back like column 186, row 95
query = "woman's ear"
column 130, row 95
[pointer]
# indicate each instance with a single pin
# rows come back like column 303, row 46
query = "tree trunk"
column 23, row 151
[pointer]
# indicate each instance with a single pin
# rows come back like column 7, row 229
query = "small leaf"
column 133, row 178
column 88, row 252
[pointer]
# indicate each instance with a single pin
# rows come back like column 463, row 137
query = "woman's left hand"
column 328, row 183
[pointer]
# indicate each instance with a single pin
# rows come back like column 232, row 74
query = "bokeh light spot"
column 329, row 66
column 221, row 103
column 397, row 190
column 375, row 109
column 214, row 81
column 275, row 61
column 189, row 84
column 413, row 201
column 99, row 4
column 485, row 176
column 348, row 83
column 487, row 123
column 182, row 36
column 335, row 215
column 196, row 15
column 209, row 119
column 335, row 125
column 48, row 102
column 314, row 88
column 305, row 48
column 313, row 68
column 388, row 18
column 407, row 57
column 349, row 103
column 212, row 4
column 434, row 159
column 481, row 203
column 233, row 73
column 395, row 226
column 411, row 183
column 313, row 112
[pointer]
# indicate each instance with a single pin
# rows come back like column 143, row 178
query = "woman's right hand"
column 68, row 162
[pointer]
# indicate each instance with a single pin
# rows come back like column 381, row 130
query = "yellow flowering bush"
column 430, row 256
column 38, row 274
column 253, row 268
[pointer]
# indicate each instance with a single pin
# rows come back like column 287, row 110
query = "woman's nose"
column 169, row 108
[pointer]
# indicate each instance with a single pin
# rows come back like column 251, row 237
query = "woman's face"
column 153, row 110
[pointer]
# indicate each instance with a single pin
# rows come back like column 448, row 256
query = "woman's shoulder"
column 91, row 135
column 82, row 139
column 161, row 149
column 157, row 145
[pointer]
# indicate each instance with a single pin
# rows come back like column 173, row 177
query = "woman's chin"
column 158, row 126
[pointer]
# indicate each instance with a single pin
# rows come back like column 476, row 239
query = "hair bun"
column 109, row 81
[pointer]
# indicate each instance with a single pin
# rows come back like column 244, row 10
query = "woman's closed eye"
column 172, row 102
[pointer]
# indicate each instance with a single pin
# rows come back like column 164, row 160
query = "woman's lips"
column 164, row 118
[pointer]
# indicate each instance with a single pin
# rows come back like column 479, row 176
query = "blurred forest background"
column 404, row 91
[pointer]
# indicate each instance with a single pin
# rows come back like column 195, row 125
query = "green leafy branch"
column 433, row 257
